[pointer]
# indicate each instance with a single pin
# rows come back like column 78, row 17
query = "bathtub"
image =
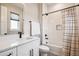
column 56, row 50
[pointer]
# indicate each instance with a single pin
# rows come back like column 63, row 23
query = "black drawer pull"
column 46, row 38
column 32, row 52
column 9, row 54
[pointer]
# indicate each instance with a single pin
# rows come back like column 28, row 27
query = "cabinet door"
column 24, row 50
column 29, row 49
column 35, row 47
column 11, row 52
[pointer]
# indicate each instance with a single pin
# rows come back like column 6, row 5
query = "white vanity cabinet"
column 11, row 52
column 29, row 49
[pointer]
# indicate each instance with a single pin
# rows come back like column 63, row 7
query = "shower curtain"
column 71, row 37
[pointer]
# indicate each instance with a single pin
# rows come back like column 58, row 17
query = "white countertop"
column 7, row 44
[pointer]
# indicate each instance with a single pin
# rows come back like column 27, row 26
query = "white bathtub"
column 56, row 50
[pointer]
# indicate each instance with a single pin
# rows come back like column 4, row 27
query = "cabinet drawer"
column 11, row 52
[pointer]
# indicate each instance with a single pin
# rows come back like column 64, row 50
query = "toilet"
column 43, row 50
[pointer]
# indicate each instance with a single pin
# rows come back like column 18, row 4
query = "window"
column 14, row 25
column 14, row 22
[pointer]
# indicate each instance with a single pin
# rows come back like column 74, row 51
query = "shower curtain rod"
column 59, row 10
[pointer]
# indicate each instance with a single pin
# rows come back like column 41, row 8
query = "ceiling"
column 49, row 4
column 20, row 5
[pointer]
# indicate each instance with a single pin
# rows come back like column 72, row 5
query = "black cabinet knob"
column 45, row 34
column 32, row 52
column 46, row 38
column 9, row 54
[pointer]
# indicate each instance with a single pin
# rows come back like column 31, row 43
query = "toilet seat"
column 44, row 48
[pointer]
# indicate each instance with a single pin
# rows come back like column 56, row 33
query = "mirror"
column 11, row 19
column 14, row 23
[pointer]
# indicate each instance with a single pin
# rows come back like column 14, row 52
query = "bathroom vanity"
column 20, row 47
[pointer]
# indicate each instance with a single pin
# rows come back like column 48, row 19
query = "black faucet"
column 20, row 34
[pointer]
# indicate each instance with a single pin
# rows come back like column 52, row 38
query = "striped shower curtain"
column 71, row 37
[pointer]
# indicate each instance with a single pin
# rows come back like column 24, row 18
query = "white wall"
column 30, row 13
column 44, row 8
column 3, row 19
column 44, row 23
column 55, row 36
column 58, row 6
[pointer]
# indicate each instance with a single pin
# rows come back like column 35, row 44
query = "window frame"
column 14, row 31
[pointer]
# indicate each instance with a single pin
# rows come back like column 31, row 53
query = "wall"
column 55, row 36
column 3, row 20
column 31, row 11
column 58, row 6
column 44, row 23
column 0, row 20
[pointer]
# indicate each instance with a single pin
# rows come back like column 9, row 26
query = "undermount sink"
column 29, row 37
